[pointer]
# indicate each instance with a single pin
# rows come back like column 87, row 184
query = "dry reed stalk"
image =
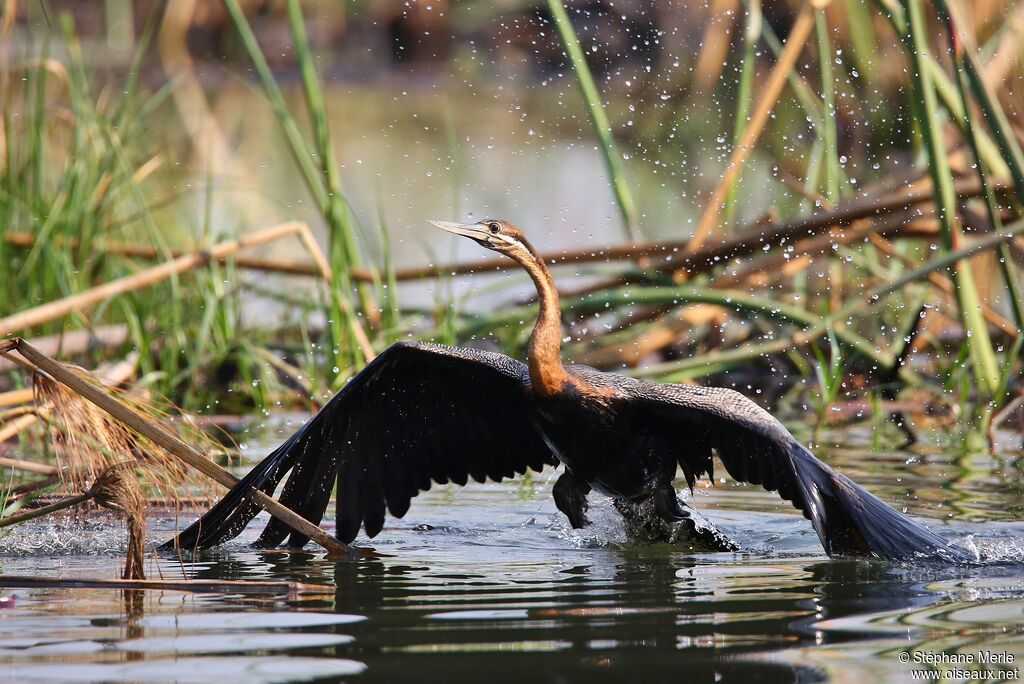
column 771, row 265
column 308, row 240
column 844, row 214
column 171, row 443
column 909, row 225
column 313, row 248
column 798, row 35
column 28, row 466
column 74, row 342
column 15, row 421
column 16, row 412
column 748, row 239
column 52, row 310
column 714, row 45
column 26, row 240
column 15, row 397
column 762, row 271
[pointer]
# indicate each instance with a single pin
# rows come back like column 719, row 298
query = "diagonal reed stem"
column 171, row 443
column 24, row 320
column 773, row 88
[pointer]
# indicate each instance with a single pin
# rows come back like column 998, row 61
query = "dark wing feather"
column 754, row 447
column 417, row 413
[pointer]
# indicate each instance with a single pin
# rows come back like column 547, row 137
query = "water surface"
column 489, row 583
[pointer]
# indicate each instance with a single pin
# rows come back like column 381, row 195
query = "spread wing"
column 754, row 447
column 418, row 413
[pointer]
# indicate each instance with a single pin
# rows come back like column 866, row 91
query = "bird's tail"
column 232, row 513
column 850, row 521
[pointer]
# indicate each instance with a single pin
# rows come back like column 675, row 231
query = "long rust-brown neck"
column 547, row 374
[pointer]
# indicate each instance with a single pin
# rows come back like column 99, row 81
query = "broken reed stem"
column 28, row 466
column 315, row 253
column 756, row 233
column 802, row 251
column 71, row 343
column 15, row 397
column 747, row 240
column 26, row 240
column 759, row 117
column 199, row 586
column 45, row 510
column 319, row 267
column 171, row 443
column 48, row 312
column 15, row 426
column 320, row 259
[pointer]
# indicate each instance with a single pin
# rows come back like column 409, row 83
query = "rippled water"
column 488, row 583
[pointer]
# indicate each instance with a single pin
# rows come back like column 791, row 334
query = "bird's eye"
column 494, row 228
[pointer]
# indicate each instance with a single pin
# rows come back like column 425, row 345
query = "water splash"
column 66, row 537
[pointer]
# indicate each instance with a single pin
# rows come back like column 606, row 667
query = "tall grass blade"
column 986, row 370
column 997, row 122
column 344, row 254
column 944, row 88
column 297, row 144
column 751, row 36
column 833, row 172
column 598, row 118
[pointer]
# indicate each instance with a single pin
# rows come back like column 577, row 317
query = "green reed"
column 598, row 117
column 744, row 93
column 322, row 182
column 929, row 119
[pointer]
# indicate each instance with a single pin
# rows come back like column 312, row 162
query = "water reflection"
column 487, row 581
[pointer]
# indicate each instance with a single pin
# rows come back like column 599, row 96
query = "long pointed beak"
column 470, row 230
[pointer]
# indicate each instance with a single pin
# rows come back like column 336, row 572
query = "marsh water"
column 488, row 583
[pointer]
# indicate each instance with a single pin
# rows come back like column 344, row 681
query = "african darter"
column 422, row 413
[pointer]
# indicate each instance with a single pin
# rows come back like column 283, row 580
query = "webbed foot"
column 663, row 518
column 571, row 499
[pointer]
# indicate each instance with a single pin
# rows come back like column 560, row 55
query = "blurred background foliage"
column 760, row 194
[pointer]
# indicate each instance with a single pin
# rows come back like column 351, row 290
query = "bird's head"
column 495, row 234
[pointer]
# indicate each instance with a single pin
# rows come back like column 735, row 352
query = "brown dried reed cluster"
column 87, row 441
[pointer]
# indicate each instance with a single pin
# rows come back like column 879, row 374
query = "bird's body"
column 422, row 413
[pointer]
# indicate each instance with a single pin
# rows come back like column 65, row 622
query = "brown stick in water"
column 198, row 586
column 172, row 444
